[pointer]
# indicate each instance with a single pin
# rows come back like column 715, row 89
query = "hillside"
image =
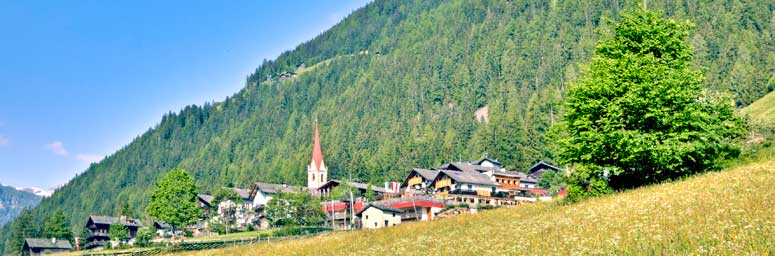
column 12, row 201
column 762, row 110
column 723, row 213
column 411, row 100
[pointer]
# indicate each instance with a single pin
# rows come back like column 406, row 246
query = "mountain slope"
column 411, row 100
column 12, row 201
column 723, row 213
column 762, row 110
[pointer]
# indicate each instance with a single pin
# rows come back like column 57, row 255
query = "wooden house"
column 42, row 246
column 379, row 216
column 204, row 202
column 538, row 169
column 99, row 229
column 419, row 181
column 463, row 182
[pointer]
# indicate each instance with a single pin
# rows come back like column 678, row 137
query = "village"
column 425, row 194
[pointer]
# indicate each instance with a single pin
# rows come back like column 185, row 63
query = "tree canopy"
column 294, row 209
column 57, row 227
column 174, row 199
column 642, row 114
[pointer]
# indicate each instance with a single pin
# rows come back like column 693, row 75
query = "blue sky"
column 81, row 79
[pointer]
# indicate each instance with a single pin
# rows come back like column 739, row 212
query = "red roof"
column 418, row 203
column 317, row 153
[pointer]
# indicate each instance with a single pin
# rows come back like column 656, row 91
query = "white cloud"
column 57, row 147
column 3, row 140
column 89, row 158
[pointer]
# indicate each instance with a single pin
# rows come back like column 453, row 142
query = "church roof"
column 317, row 152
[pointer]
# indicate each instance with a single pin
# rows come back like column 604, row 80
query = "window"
column 366, row 217
column 470, row 187
column 321, row 177
column 394, row 214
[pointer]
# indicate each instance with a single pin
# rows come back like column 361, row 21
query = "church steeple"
column 317, row 173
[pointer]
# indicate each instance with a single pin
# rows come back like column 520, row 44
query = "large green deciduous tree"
column 641, row 114
column 295, row 209
column 174, row 199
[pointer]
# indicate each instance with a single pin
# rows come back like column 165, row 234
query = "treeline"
column 413, row 103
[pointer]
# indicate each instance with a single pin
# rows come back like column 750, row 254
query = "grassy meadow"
column 730, row 212
column 762, row 110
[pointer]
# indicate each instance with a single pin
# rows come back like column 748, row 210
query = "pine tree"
column 22, row 228
column 57, row 227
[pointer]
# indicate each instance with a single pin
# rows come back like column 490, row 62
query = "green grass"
column 728, row 213
column 238, row 235
column 762, row 110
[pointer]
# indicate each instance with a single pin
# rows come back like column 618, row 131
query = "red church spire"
column 317, row 153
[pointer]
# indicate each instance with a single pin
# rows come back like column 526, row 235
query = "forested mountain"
column 396, row 84
column 12, row 201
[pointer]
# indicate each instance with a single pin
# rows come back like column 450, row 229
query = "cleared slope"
column 762, row 110
column 727, row 212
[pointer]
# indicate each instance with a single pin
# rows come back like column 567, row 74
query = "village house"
column 261, row 193
column 42, row 246
column 379, row 192
column 162, row 229
column 379, row 216
column 538, row 169
column 419, row 182
column 415, row 208
column 99, row 229
column 204, row 202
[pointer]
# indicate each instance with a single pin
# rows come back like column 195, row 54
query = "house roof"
column 129, row 222
column 243, row 193
column 47, row 243
column 469, row 176
column 425, row 173
column 469, row 167
column 270, row 188
column 384, row 208
column 488, row 159
column 413, row 201
column 208, row 199
column 358, row 185
column 161, row 225
column 541, row 165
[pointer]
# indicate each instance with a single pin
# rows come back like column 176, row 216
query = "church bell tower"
column 317, row 173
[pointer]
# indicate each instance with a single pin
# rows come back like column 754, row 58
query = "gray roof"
column 358, row 185
column 384, row 208
column 487, row 159
column 542, row 165
column 243, row 193
column 470, row 176
column 47, row 243
column 470, row 167
column 161, row 224
column 365, row 186
column 270, row 188
column 129, row 222
column 408, row 199
column 205, row 198
column 425, row 173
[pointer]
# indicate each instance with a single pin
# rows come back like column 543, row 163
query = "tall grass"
column 730, row 213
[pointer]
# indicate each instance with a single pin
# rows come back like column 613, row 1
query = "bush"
column 585, row 183
column 188, row 233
